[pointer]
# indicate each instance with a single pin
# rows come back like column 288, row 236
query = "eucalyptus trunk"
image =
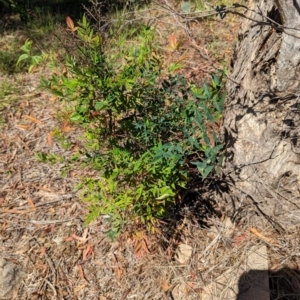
column 262, row 115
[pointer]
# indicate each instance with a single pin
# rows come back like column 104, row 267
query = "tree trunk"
column 262, row 115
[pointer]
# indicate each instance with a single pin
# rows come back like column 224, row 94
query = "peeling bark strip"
column 262, row 116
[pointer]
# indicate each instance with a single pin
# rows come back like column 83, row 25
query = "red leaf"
column 173, row 42
column 70, row 23
column 81, row 273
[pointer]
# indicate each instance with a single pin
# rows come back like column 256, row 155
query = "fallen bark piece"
column 10, row 277
column 183, row 253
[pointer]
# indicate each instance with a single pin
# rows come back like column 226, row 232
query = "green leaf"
column 200, row 165
column 57, row 93
column 186, row 7
column 31, row 68
column 216, row 80
column 22, row 57
column 139, row 192
column 175, row 66
column 206, row 90
column 36, row 59
column 216, row 149
column 206, row 139
column 75, row 117
column 27, row 46
column 199, row 119
column 164, row 196
column 207, row 171
column 101, row 105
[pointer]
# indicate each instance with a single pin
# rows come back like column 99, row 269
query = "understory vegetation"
column 148, row 130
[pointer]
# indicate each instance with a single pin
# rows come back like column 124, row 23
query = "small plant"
column 17, row 6
column 8, row 91
column 32, row 60
column 62, row 139
column 50, row 158
column 141, row 127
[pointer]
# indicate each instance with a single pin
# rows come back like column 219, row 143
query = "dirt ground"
column 47, row 252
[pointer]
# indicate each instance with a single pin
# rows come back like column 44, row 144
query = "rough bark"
column 262, row 116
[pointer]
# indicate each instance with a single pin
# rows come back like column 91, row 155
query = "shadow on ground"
column 283, row 284
column 33, row 14
column 196, row 203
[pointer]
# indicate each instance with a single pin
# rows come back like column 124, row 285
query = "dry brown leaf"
column 275, row 267
column 15, row 211
column 50, row 138
column 79, row 288
column 44, row 188
column 182, row 58
column 31, row 203
column 81, row 273
column 22, row 251
column 266, row 239
column 183, row 253
column 125, row 294
column 165, row 285
column 118, row 271
column 13, row 157
column 44, row 267
column 145, row 247
column 4, row 225
column 82, row 239
column 49, row 228
column 87, row 251
column 51, row 210
column 32, row 119
column 64, row 71
column 66, row 127
column 69, row 238
column 43, row 252
column 53, row 98
column 21, row 126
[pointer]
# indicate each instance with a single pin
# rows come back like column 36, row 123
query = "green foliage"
column 141, row 127
column 186, row 7
column 50, row 158
column 32, row 60
column 33, row 9
column 131, row 188
column 17, row 6
column 62, row 139
column 8, row 91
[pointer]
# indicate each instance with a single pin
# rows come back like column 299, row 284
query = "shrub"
column 144, row 130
